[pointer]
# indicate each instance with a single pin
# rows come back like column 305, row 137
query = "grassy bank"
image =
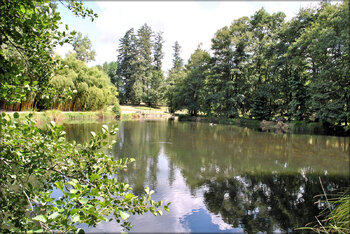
column 128, row 113
column 43, row 117
column 143, row 112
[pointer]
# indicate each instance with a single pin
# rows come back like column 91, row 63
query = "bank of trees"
column 264, row 67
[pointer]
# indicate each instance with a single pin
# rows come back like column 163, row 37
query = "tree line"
column 264, row 67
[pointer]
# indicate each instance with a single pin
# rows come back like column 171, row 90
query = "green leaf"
column 74, row 191
column 124, row 215
column 54, row 215
column 93, row 134
column 105, row 127
column 16, row 115
column 40, row 218
column 59, row 185
column 147, row 190
column 76, row 219
column 129, row 196
column 93, row 177
column 83, row 200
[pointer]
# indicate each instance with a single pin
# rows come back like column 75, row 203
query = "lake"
column 224, row 178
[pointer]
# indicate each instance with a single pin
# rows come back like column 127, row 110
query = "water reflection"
column 226, row 178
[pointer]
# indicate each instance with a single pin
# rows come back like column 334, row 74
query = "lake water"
column 225, row 178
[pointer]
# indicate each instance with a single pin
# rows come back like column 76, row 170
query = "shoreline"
column 43, row 117
column 294, row 127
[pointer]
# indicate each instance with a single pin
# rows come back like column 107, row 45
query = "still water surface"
column 224, row 178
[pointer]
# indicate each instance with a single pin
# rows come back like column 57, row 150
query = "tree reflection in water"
column 265, row 202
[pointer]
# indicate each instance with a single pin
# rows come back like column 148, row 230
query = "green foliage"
column 111, row 70
column 191, row 87
column 35, row 162
column 139, row 74
column 29, row 34
column 116, row 110
column 79, row 87
column 264, row 67
column 173, row 89
column 335, row 215
column 177, row 60
column 83, row 48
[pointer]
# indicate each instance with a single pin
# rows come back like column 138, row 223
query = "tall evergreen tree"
column 157, row 77
column 177, row 60
column 175, row 76
column 127, row 63
column 158, row 54
column 144, row 68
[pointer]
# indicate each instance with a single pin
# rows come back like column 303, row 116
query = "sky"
column 188, row 22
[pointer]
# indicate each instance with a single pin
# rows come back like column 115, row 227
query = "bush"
column 116, row 110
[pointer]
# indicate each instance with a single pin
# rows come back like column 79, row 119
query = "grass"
column 336, row 215
column 131, row 108
column 60, row 117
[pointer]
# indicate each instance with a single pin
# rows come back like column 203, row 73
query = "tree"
column 127, row 60
column 192, row 92
column 144, row 65
column 157, row 77
column 326, row 47
column 158, row 54
column 30, row 30
column 79, row 87
column 228, row 86
column 111, row 70
column 264, row 28
column 177, row 60
column 175, row 76
column 83, row 48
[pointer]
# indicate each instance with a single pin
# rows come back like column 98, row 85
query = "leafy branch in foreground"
column 36, row 162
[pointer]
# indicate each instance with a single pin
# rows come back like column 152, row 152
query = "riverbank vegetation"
column 264, row 67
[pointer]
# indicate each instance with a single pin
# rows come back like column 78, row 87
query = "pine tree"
column 127, row 62
column 144, row 68
column 177, row 60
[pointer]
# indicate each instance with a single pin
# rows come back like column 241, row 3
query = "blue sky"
column 188, row 22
